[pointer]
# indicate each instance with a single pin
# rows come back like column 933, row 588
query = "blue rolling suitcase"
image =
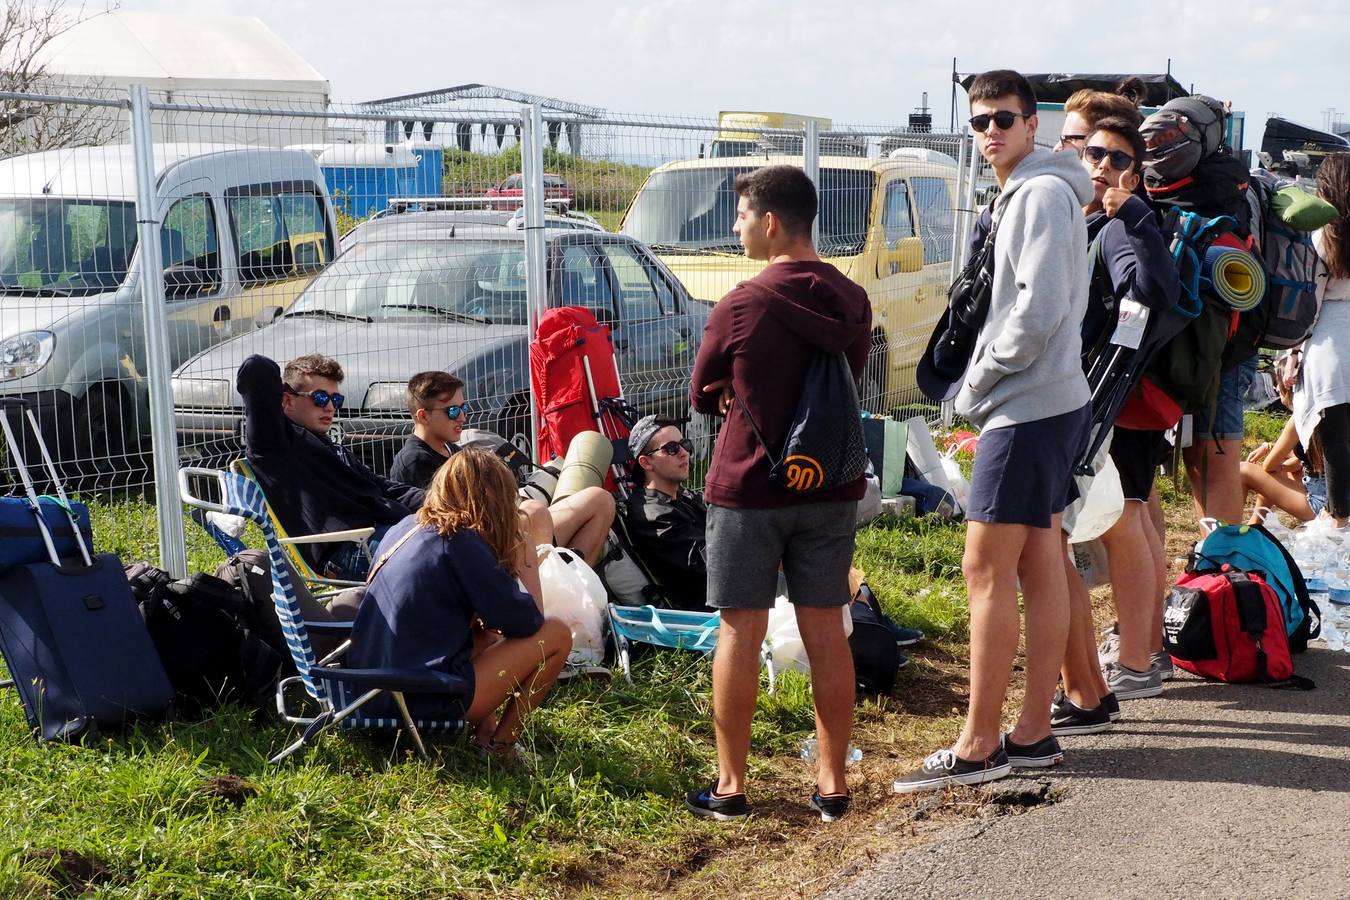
column 71, row 634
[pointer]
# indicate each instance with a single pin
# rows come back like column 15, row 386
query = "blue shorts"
column 1023, row 473
column 1228, row 424
column 1316, row 486
column 349, row 562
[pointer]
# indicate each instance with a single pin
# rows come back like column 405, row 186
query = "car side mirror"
column 905, row 257
column 266, row 316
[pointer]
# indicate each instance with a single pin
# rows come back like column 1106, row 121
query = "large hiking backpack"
column 1252, row 548
column 1229, row 625
column 1283, row 219
column 201, row 628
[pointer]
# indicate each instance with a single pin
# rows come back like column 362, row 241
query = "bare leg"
column 735, row 688
column 519, row 672
column 583, row 520
column 1278, row 490
column 1045, row 596
column 1133, row 584
column 990, row 566
column 1083, row 682
column 1157, row 545
column 1216, row 481
column 832, row 690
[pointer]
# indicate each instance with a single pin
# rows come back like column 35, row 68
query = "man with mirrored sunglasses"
column 314, row 485
column 667, row 522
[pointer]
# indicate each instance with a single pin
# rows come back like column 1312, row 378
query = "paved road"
column 1209, row 790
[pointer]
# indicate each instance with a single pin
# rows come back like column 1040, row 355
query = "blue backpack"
column 1251, row 548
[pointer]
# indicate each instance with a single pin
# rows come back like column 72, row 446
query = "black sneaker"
column 905, row 637
column 1068, row 717
column 901, row 660
column 723, row 809
column 1044, row 753
column 1112, row 707
column 831, row 808
column 945, row 769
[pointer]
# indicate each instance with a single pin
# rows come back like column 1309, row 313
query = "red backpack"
column 1229, row 625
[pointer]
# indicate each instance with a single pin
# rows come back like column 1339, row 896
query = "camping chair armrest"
column 331, row 537
column 421, row 681
column 330, row 627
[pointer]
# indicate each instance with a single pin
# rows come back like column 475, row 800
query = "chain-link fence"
column 403, row 239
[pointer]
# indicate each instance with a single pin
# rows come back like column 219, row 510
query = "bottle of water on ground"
column 810, row 752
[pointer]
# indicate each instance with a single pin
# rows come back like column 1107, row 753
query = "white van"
column 242, row 229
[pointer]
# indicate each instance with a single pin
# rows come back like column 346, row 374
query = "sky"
column 864, row 62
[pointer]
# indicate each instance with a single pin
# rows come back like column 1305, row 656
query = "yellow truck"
column 739, row 133
column 886, row 223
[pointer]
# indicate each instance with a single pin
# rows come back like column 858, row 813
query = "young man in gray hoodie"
column 1026, row 391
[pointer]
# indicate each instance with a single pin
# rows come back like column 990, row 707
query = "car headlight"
column 207, row 393
column 26, row 353
column 387, row 396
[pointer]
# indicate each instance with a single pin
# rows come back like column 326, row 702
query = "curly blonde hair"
column 475, row 491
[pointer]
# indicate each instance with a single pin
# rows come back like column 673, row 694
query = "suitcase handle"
column 16, row 453
column 188, row 496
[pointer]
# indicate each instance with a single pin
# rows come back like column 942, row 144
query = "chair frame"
column 340, row 692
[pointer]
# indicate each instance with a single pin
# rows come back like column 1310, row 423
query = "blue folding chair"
column 340, row 693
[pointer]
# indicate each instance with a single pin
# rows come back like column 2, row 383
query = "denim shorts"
column 812, row 541
column 1228, row 424
column 349, row 562
column 1316, row 486
column 1023, row 473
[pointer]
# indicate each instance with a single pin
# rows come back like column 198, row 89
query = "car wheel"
column 106, row 446
column 872, row 393
column 514, row 425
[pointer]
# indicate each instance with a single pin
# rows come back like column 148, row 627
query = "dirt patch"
column 72, row 872
column 230, row 788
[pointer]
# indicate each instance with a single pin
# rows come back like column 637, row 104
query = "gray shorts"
column 812, row 541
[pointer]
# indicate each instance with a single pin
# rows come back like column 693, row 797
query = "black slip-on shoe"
column 1112, row 707
column 1068, row 718
column 1044, row 753
column 945, row 769
column 832, row 807
column 706, row 803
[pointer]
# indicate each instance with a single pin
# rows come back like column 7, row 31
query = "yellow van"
column 887, row 224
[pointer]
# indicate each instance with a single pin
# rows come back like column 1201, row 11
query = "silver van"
column 242, row 229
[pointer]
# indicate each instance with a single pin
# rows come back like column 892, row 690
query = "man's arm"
column 1041, row 256
column 265, row 425
column 397, row 491
column 715, row 354
column 1137, row 257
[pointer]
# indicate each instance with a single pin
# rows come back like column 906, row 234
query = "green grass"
column 361, row 816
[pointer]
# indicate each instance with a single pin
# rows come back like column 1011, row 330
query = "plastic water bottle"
column 810, row 753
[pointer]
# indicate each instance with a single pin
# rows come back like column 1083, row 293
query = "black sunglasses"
column 1120, row 160
column 672, row 448
column 1004, row 119
column 452, row 412
column 320, row 397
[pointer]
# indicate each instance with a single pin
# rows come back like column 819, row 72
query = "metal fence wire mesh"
column 398, row 239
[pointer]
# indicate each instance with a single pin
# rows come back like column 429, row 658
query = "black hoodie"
column 762, row 334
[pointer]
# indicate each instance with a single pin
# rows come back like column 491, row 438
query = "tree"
column 26, row 126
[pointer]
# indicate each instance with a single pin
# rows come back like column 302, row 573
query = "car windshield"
column 694, row 209
column 62, row 247
column 464, row 280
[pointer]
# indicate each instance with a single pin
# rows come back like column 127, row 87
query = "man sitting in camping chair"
column 313, row 485
column 667, row 523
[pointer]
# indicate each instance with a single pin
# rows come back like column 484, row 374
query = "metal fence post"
column 536, row 264
column 960, row 232
column 163, row 435
column 811, row 163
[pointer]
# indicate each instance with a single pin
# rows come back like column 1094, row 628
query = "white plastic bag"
column 785, row 638
column 575, row 594
column 1100, row 501
column 960, row 484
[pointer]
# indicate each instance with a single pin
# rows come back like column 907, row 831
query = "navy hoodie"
column 762, row 334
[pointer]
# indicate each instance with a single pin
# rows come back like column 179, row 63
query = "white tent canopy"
column 187, row 59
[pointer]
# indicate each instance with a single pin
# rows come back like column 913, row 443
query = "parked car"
column 427, row 290
column 513, row 187
column 888, row 224
column 241, row 229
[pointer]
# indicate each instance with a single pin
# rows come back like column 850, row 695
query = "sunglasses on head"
column 1073, row 142
column 451, row 412
column 1004, row 119
column 672, row 448
column 1120, row 160
column 320, row 397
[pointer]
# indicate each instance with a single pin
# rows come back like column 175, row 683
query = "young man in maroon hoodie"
column 751, row 365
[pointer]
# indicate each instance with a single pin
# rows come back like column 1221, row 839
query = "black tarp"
column 1057, row 87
